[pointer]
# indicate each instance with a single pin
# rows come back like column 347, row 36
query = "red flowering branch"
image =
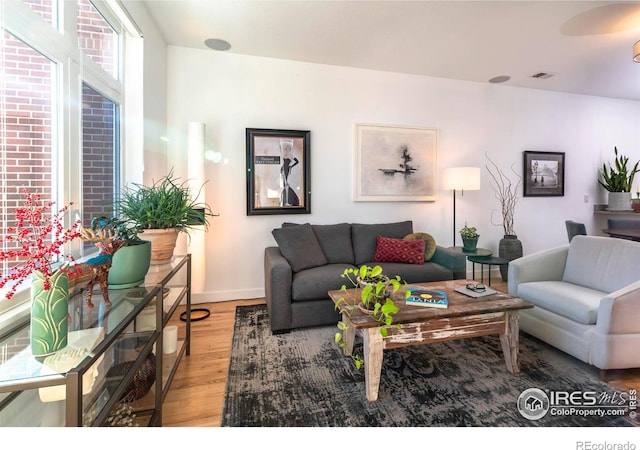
column 37, row 239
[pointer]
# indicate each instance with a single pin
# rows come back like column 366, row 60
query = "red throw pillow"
column 399, row 250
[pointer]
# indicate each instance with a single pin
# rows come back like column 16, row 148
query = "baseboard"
column 223, row 296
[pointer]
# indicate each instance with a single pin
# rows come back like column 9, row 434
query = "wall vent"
column 542, row 75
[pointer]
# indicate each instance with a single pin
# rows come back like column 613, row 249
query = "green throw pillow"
column 429, row 244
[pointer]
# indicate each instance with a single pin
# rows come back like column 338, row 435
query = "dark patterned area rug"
column 302, row 379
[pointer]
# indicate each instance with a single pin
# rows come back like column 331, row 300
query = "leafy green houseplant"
column 373, row 290
column 469, row 238
column 617, row 179
column 161, row 211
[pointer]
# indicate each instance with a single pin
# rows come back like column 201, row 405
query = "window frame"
column 73, row 68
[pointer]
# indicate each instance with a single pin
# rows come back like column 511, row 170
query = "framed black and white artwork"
column 543, row 174
column 395, row 163
column 278, row 171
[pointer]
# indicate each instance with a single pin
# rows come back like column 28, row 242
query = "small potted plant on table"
column 469, row 238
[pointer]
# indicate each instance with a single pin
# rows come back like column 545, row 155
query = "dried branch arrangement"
column 507, row 194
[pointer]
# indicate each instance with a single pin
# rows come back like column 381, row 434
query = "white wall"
column 231, row 92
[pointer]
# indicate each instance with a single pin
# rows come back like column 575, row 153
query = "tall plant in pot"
column 506, row 191
column 161, row 211
column 617, row 179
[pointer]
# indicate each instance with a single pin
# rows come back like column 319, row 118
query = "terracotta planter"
column 163, row 242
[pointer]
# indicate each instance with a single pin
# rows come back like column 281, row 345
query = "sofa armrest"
column 277, row 287
column 452, row 260
column 619, row 312
column 546, row 265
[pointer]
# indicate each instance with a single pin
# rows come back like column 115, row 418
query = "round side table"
column 486, row 261
column 479, row 252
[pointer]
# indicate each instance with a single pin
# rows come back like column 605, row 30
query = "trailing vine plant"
column 375, row 291
column 507, row 194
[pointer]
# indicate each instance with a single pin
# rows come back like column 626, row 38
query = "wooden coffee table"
column 465, row 317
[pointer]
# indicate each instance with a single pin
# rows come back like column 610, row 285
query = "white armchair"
column 587, row 297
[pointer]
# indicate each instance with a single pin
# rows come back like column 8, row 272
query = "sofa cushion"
column 315, row 283
column 365, row 237
column 429, row 243
column 399, row 250
column 415, row 273
column 569, row 300
column 299, row 245
column 335, row 241
column 602, row 263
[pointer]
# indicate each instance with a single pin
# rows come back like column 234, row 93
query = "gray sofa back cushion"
column 335, row 241
column 364, row 237
column 300, row 247
column 602, row 263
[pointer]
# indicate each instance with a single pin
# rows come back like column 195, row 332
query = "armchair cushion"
column 574, row 302
column 299, row 245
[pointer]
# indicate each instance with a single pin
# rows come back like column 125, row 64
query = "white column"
column 196, row 179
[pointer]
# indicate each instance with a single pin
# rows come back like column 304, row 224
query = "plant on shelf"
column 35, row 245
column 469, row 238
column 618, row 178
column 131, row 262
column 165, row 208
column 372, row 295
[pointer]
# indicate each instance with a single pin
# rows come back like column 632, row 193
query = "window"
column 48, row 144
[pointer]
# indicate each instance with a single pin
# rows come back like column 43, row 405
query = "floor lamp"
column 460, row 179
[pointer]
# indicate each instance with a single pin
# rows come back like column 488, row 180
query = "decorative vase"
column 469, row 244
column 509, row 248
column 130, row 265
column 619, row 201
column 49, row 313
column 163, row 243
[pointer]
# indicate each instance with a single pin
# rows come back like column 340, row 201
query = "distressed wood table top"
column 460, row 305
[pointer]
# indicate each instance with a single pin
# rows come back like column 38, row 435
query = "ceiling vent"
column 542, row 75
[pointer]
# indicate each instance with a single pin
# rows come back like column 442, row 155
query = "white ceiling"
column 586, row 45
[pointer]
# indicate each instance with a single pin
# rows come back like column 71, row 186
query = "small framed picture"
column 278, row 171
column 543, row 174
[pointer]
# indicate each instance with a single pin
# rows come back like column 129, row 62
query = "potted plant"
column 161, row 211
column 373, row 290
column 131, row 262
column 469, row 238
column 617, row 179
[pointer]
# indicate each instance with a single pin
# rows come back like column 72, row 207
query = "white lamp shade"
column 636, row 51
column 461, row 178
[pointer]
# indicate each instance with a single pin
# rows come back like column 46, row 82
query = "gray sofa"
column 587, row 299
column 309, row 259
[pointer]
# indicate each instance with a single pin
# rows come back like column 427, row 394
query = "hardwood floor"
column 196, row 396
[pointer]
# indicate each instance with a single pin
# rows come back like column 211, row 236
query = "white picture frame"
column 395, row 163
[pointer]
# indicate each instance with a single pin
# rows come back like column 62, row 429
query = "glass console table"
column 113, row 370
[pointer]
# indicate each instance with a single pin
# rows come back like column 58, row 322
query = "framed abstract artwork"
column 278, row 171
column 394, row 163
column 543, row 174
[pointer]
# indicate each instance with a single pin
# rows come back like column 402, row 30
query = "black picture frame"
column 278, row 171
column 543, row 174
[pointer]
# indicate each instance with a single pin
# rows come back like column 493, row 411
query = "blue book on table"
column 420, row 296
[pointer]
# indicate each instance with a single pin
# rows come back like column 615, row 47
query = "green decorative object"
column 49, row 313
